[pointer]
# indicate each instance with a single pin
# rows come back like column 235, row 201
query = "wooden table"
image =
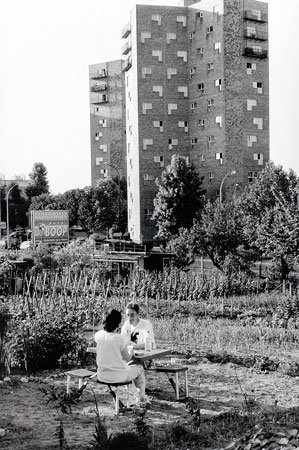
column 141, row 355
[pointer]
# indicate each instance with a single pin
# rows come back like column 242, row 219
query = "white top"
column 143, row 328
column 112, row 357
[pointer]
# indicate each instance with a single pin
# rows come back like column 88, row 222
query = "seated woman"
column 137, row 329
column 113, row 356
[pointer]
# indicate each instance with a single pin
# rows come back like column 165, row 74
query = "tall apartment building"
column 196, row 84
column 107, row 120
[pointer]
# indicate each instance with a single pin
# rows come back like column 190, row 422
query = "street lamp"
column 118, row 184
column 221, row 185
column 7, row 213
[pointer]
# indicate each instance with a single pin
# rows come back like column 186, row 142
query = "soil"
column 31, row 424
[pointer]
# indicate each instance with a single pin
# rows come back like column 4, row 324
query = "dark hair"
column 133, row 306
column 112, row 320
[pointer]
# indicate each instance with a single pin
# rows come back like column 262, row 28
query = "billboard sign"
column 50, row 226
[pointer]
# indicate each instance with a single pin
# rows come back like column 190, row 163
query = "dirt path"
column 30, row 424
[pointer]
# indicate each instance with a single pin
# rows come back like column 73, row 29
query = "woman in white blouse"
column 113, row 356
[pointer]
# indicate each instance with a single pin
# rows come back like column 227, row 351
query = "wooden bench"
column 88, row 375
column 80, row 375
column 174, row 370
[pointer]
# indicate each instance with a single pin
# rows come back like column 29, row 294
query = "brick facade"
column 196, row 84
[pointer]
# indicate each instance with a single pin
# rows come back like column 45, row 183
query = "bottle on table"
column 148, row 342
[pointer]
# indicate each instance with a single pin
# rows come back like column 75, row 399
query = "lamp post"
column 221, row 185
column 7, row 213
column 118, row 184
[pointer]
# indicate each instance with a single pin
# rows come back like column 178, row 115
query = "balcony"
column 99, row 75
column 256, row 16
column 256, row 36
column 255, row 53
column 126, row 48
column 127, row 64
column 126, row 31
column 98, row 87
column 100, row 99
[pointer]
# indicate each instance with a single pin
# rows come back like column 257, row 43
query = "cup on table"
column 130, row 349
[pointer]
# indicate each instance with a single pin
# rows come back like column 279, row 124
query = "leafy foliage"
column 39, row 182
column 179, row 197
column 39, row 342
column 5, row 317
column 92, row 208
column 270, row 216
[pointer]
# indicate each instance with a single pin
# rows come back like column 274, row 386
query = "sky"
column 46, row 47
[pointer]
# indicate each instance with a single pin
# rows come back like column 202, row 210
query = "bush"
column 43, row 342
column 4, row 320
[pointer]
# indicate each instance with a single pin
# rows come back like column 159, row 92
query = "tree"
column 39, row 182
column 219, row 235
column 270, row 211
column 179, row 197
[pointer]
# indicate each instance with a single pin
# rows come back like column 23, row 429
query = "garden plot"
column 31, row 424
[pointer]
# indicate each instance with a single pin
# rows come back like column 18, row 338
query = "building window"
column 160, row 160
column 193, row 105
column 201, row 123
column 192, row 71
column 218, row 83
column 170, row 37
column 145, row 35
column 211, row 176
column 201, row 87
column 171, row 72
column 147, row 142
column 172, row 107
column 182, row 54
column 259, row 157
column 219, row 157
column 259, row 122
column 103, row 147
column 104, row 172
column 182, row 19
column 209, row 30
column 211, row 140
column 172, row 142
column 159, row 90
column 146, row 71
column 211, row 102
column 157, row 18
column 250, row 67
column 184, row 90
column 259, row 86
column 251, row 103
column 217, row 46
column 99, row 160
column 148, row 177
column 218, row 119
column 157, row 54
column 97, row 136
column 191, row 35
column 103, row 122
column 148, row 213
column 210, row 66
column 146, row 107
column 200, row 51
column 252, row 176
column 158, row 124
column 183, row 124
column 194, row 141
column 251, row 140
